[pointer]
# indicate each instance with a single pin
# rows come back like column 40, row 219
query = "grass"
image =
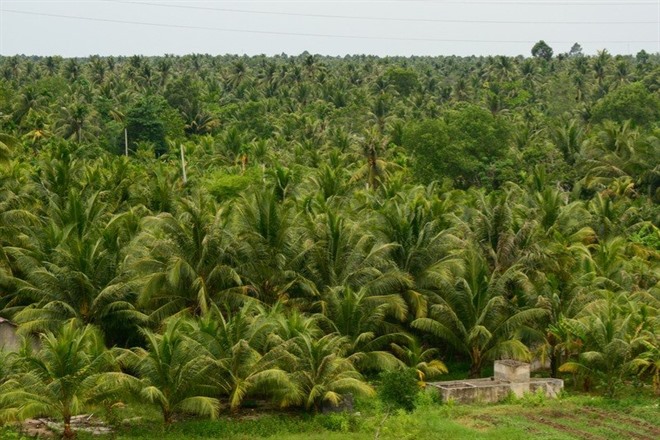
column 636, row 416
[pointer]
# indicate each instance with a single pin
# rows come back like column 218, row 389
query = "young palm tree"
column 245, row 360
column 424, row 244
column 322, row 373
column 424, row 360
column 71, row 369
column 268, row 246
column 173, row 372
column 648, row 362
column 7, row 144
column 67, row 268
column 611, row 341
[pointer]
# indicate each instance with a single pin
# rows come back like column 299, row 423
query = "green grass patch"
column 570, row 417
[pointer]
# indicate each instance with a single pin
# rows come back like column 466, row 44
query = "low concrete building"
column 9, row 340
column 509, row 377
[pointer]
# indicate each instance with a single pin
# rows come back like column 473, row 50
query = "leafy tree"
column 629, row 102
column 576, row 50
column 459, row 146
column 403, row 80
column 144, row 123
column 542, row 50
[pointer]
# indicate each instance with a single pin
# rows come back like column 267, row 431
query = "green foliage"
column 173, row 373
column 399, row 388
column 144, row 123
column 228, row 186
column 459, row 146
column 542, row 50
column 403, row 80
column 71, row 369
column 628, row 102
column 648, row 236
column 342, row 216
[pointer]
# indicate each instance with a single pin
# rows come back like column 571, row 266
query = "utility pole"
column 126, row 141
column 183, row 165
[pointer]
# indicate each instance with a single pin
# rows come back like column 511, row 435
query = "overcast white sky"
column 469, row 27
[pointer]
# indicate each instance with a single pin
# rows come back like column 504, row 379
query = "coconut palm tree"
column 375, row 169
column 268, row 248
column 7, row 144
column 246, row 361
column 68, row 268
column 173, row 372
column 610, row 343
column 368, row 322
column 424, row 360
column 322, row 373
column 481, row 314
column 416, row 223
column 71, row 370
column 184, row 262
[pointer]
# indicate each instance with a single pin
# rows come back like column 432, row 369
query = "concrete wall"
column 9, row 341
column 484, row 394
column 551, row 387
column 510, row 370
column 510, row 377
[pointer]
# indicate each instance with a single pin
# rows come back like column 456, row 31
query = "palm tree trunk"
column 68, row 432
column 555, row 361
column 167, row 417
column 475, row 367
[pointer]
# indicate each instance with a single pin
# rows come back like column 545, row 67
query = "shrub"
column 399, row 388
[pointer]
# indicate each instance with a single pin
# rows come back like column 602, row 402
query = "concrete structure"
column 9, row 340
column 510, row 377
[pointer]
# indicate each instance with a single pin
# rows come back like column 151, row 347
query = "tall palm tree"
column 481, row 313
column 184, row 262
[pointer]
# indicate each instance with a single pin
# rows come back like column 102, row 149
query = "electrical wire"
column 301, row 34
column 395, row 19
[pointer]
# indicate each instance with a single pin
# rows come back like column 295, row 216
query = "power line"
column 437, row 2
column 299, row 34
column 396, row 19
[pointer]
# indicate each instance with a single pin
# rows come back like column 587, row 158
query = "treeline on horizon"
column 286, row 226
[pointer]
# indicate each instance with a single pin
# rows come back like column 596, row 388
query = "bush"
column 228, row 186
column 399, row 388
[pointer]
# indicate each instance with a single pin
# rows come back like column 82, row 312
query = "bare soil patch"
column 649, row 429
column 544, row 420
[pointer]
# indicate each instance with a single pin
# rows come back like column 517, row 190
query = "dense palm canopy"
column 313, row 241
